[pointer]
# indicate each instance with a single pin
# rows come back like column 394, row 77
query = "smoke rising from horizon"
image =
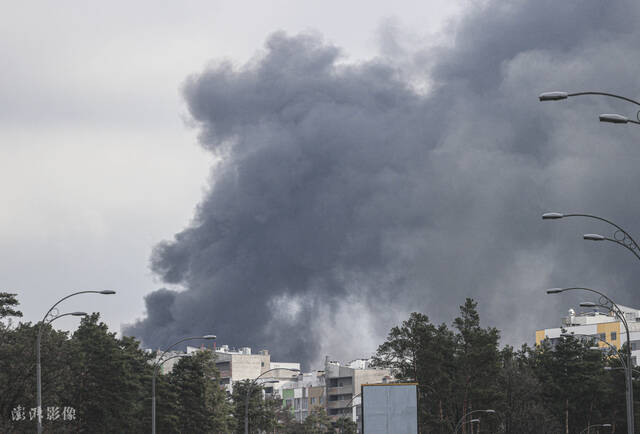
column 346, row 196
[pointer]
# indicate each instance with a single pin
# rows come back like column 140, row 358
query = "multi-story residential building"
column 343, row 385
column 605, row 326
column 336, row 389
column 304, row 394
column 238, row 365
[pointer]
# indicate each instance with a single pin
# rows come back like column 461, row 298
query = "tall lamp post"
column 611, row 118
column 50, row 316
column 612, row 307
column 250, row 386
column 156, row 366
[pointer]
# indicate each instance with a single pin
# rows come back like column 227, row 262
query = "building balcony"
column 340, row 390
column 338, row 404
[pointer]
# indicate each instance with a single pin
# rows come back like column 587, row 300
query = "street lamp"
column 459, row 424
column 601, row 425
column 52, row 315
column 608, row 117
column 619, row 236
column 612, row 307
column 156, row 365
column 250, row 386
column 472, row 422
column 613, row 348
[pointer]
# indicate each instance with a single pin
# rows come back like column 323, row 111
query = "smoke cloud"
column 346, row 195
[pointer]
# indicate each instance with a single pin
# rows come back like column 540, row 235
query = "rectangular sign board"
column 390, row 408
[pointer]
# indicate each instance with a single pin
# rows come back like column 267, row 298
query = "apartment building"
column 336, row 389
column 603, row 325
column 240, row 364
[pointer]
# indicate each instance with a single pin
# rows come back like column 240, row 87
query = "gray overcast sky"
column 350, row 163
column 96, row 163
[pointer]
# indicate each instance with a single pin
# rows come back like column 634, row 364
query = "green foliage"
column 346, row 426
column 110, row 379
column 202, row 405
column 555, row 387
column 262, row 413
column 7, row 303
column 317, row 422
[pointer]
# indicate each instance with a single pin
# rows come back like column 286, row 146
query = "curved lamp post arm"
column 159, row 362
column 618, row 313
column 181, row 341
column 351, row 400
column 250, row 385
column 612, row 118
column 108, row 292
column 601, row 425
column 626, row 241
column 615, row 350
column 157, row 366
column 459, row 424
column 605, row 302
column 620, row 236
column 612, row 95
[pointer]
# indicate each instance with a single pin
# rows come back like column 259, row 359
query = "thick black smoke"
column 344, row 197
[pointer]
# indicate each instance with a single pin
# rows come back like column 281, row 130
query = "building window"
column 297, row 404
column 602, row 336
column 320, row 400
column 614, row 336
column 313, row 401
column 304, row 404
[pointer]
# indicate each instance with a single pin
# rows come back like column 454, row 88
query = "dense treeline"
column 561, row 389
column 95, row 382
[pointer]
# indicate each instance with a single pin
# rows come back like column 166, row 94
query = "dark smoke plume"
column 347, row 195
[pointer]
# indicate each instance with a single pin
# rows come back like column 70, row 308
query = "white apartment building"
column 605, row 326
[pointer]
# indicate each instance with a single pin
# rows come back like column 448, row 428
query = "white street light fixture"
column 594, row 237
column 613, row 118
column 552, row 216
column 608, row 117
column 553, row 96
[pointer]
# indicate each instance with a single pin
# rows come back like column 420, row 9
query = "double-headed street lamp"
column 607, row 303
column 156, row 367
column 250, row 386
column 608, row 117
column 52, row 315
column 619, row 236
column 461, row 421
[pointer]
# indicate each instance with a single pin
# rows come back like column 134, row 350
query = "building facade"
column 604, row 326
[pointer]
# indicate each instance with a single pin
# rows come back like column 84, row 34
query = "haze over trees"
column 106, row 380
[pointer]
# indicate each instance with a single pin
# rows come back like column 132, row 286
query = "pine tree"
column 201, row 403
